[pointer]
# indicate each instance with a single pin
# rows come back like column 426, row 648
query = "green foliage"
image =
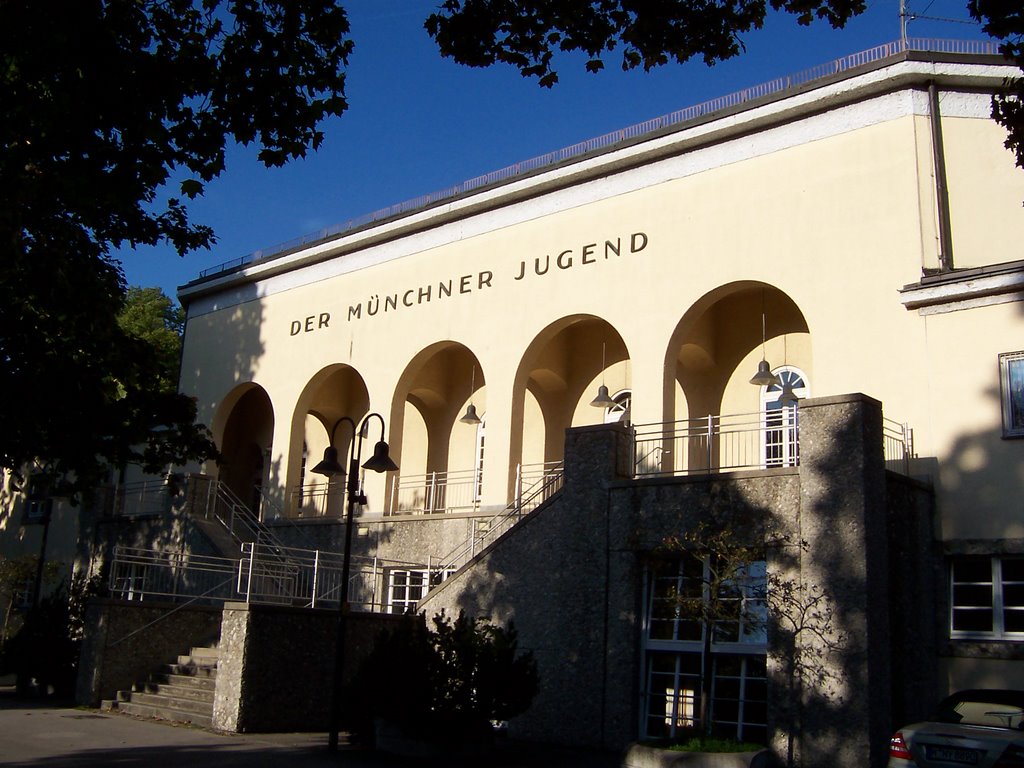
column 704, row 744
column 527, row 34
column 44, row 653
column 460, row 674
column 150, row 316
column 1004, row 21
column 102, row 106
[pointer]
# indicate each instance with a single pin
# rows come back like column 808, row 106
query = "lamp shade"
column 380, row 461
column 329, row 466
column 788, row 397
column 470, row 416
column 602, row 400
column 764, row 376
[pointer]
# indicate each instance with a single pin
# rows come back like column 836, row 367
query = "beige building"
column 856, row 229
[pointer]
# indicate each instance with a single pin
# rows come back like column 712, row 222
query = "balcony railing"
column 751, row 441
column 435, row 492
column 718, row 444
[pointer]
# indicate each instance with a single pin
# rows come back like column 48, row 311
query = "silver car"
column 980, row 728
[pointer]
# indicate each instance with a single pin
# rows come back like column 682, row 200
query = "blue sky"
column 418, row 123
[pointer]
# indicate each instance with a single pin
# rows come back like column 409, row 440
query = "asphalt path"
column 45, row 734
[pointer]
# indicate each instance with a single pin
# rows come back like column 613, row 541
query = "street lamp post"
column 329, row 466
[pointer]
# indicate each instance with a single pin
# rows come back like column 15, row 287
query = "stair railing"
column 485, row 532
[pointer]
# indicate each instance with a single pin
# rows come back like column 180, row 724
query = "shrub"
column 457, row 676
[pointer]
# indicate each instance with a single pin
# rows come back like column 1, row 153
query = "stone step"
column 171, row 702
column 188, row 670
column 189, row 692
column 202, row 719
column 200, row 657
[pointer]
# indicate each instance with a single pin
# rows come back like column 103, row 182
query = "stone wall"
column 125, row 642
column 571, row 577
column 276, row 667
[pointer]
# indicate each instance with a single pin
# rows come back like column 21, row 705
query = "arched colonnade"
column 451, row 463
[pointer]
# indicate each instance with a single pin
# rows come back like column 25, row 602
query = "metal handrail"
column 435, row 492
column 485, row 532
column 718, row 443
column 628, row 134
column 898, row 445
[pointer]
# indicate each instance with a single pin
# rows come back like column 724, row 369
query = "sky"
column 418, row 123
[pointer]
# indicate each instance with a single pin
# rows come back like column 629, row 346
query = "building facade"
column 855, row 231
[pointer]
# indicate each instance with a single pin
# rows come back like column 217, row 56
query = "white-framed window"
column 478, row 465
column 406, row 587
column 1011, row 387
column 987, row 597
column 623, row 400
column 781, row 430
column 674, row 652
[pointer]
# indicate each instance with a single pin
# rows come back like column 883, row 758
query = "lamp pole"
column 380, row 462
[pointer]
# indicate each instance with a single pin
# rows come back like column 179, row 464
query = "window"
column 1011, row 379
column 781, row 433
column 675, row 648
column 408, row 587
column 613, row 414
column 987, row 598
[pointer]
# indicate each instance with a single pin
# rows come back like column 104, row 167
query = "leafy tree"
column 103, row 104
column 151, row 316
column 1004, row 20
column 720, row 592
column 650, row 33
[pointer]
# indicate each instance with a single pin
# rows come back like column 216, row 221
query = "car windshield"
column 993, row 709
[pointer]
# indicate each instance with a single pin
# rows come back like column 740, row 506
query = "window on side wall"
column 1011, row 388
column 987, row 598
column 674, row 651
column 408, row 587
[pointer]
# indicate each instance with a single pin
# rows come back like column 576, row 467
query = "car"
column 980, row 727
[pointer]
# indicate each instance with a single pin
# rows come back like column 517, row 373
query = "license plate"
column 952, row 755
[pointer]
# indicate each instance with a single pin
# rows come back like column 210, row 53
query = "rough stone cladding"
column 124, row 642
column 277, row 665
column 571, row 577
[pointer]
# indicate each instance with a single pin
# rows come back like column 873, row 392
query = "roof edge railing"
column 630, row 133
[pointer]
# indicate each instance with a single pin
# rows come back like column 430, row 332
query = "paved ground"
column 49, row 735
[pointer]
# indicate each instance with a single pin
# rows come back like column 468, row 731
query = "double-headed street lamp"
column 379, row 462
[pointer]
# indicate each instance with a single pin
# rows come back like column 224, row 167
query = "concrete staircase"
column 181, row 692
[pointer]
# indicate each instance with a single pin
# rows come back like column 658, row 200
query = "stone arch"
column 717, row 344
column 334, row 392
column 243, row 427
column 432, row 394
column 558, row 376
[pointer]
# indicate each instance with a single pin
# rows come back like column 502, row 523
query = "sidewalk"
column 51, row 735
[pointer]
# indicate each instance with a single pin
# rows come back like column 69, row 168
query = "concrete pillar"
column 830, row 688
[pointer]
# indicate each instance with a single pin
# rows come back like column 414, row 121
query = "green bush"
column 44, row 652
column 458, row 676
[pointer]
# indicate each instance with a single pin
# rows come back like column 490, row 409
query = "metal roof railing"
column 629, row 134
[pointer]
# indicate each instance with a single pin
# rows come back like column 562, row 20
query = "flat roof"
column 738, row 101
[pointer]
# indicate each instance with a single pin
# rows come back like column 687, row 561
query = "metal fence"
column 435, row 492
column 629, row 134
column 265, row 574
column 749, row 441
column 718, row 444
column 898, row 445
column 486, row 531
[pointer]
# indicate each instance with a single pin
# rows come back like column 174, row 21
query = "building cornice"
column 906, row 70
column 965, row 288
